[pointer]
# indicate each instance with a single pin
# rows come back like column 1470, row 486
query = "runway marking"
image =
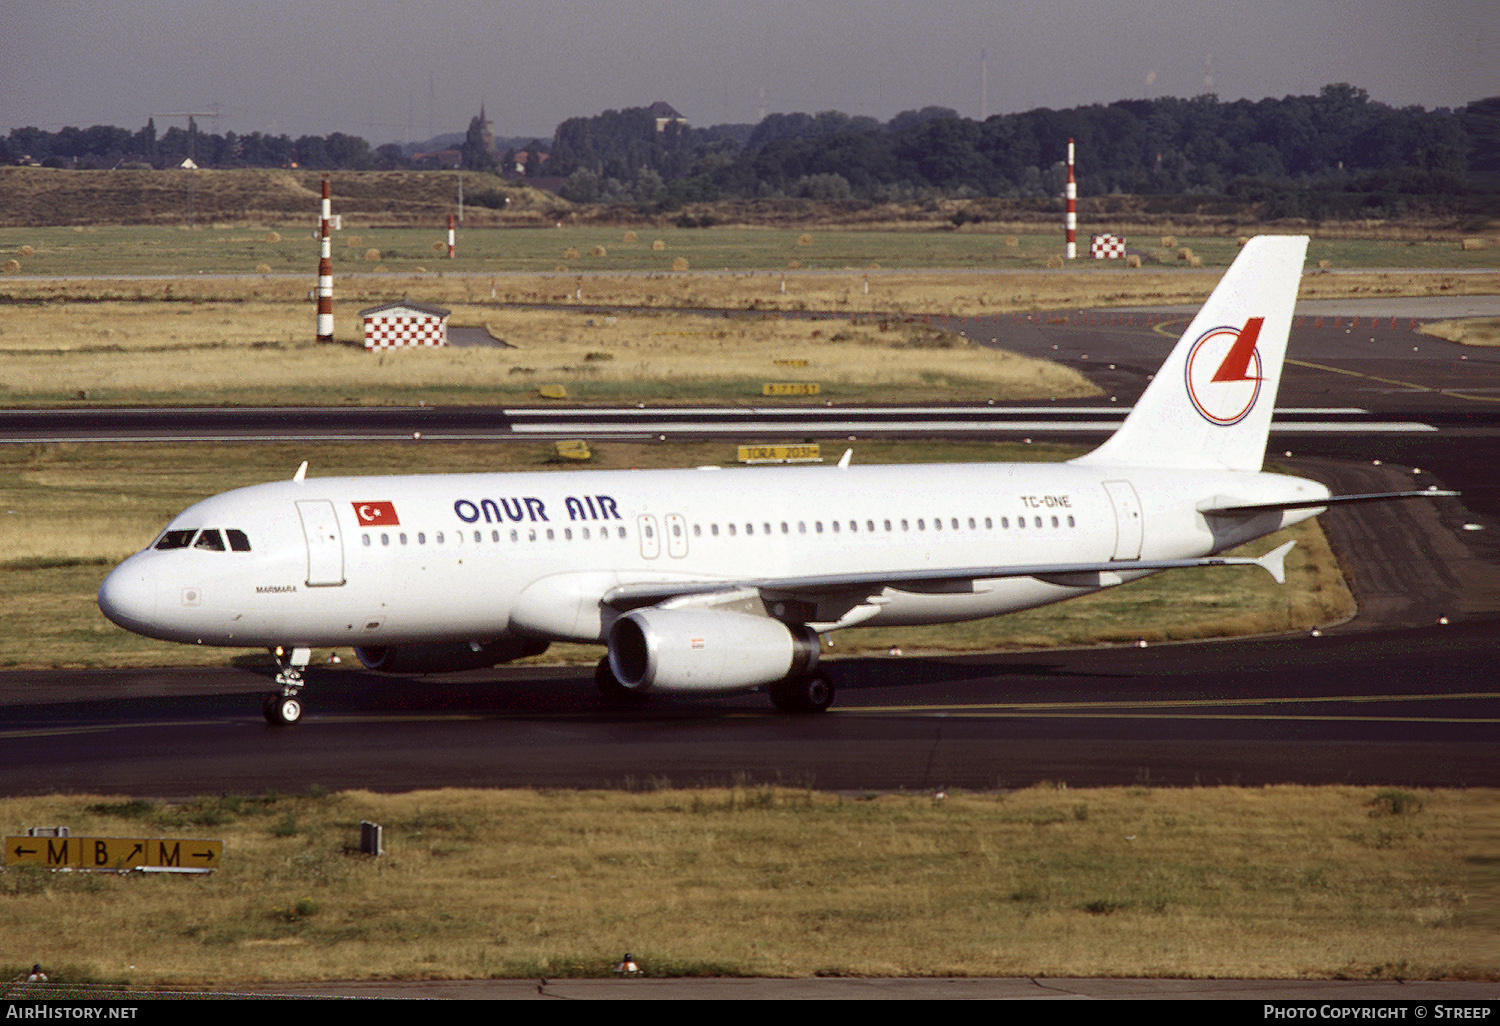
column 1120, row 709
column 1392, row 381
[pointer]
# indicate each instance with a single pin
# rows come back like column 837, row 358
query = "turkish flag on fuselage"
column 371, row 513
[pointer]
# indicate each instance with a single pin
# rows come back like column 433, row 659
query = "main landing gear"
column 282, row 707
column 803, row 693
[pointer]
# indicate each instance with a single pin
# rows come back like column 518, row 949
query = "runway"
column 1397, row 697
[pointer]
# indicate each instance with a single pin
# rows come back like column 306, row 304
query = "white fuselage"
column 418, row 559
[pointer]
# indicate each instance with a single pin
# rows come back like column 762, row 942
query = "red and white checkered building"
column 1106, row 247
column 403, row 324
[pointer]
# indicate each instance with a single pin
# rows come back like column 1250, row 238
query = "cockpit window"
column 211, row 539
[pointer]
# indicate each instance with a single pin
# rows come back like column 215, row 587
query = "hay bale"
column 658, row 246
column 1012, row 242
column 1241, row 240
column 1168, row 242
column 1054, row 262
column 804, row 240
column 794, row 265
column 1195, row 261
column 1133, row 260
column 599, row 251
column 262, row 268
column 438, row 247
column 570, row 253
column 679, row 264
column 27, row 251
column 273, row 237
column 1324, row 265
column 12, row 266
column 630, row 236
column 372, row 256
column 1466, row 244
column 1185, row 253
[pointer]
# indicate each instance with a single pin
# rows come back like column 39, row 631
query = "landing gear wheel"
column 610, row 687
column 281, row 710
column 811, row 693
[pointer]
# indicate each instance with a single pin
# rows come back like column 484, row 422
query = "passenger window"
column 438, row 537
column 478, row 537
column 835, row 527
column 1054, row 521
column 385, row 539
column 421, row 537
column 567, row 534
column 955, row 523
column 1038, row 521
column 210, row 539
column 870, row 526
column 367, row 541
column 1021, row 523
column 937, row 523
column 1071, row 522
column 238, row 542
column 176, row 540
column 402, row 536
column 971, row 523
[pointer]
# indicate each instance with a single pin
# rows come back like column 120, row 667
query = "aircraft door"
column 645, row 523
column 676, row 528
column 325, row 547
column 1128, row 524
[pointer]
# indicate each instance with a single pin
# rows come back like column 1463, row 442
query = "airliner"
column 710, row 580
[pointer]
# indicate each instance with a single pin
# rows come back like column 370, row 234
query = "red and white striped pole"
column 325, row 270
column 450, row 236
column 1072, row 221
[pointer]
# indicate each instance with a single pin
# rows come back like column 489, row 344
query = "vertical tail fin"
column 1210, row 404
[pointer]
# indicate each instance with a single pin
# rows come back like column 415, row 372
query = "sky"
column 405, row 70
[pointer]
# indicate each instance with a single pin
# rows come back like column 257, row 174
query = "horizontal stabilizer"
column 1333, row 500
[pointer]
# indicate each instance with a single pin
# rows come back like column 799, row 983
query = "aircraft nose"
column 128, row 596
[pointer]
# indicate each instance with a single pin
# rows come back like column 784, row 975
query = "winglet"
column 301, row 473
column 844, row 459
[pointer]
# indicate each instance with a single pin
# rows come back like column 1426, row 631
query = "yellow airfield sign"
column 789, row 389
column 168, row 854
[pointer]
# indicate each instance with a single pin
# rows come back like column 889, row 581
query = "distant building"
column 404, row 323
column 665, row 114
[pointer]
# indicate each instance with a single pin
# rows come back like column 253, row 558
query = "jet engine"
column 706, row 651
column 448, row 657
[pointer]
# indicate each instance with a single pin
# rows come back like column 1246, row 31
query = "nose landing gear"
column 282, row 708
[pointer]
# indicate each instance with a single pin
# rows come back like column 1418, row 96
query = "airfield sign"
column 159, row 854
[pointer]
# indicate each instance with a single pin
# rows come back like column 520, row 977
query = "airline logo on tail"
column 1224, row 374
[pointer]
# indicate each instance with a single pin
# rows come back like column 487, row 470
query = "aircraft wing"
column 634, row 596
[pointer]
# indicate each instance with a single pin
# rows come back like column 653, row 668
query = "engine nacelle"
column 448, row 657
column 705, row 651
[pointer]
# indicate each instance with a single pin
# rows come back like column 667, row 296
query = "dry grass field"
column 1275, row 882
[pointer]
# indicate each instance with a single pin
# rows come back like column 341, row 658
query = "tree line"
column 1334, row 153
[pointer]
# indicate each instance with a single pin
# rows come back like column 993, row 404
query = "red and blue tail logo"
column 1224, row 373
